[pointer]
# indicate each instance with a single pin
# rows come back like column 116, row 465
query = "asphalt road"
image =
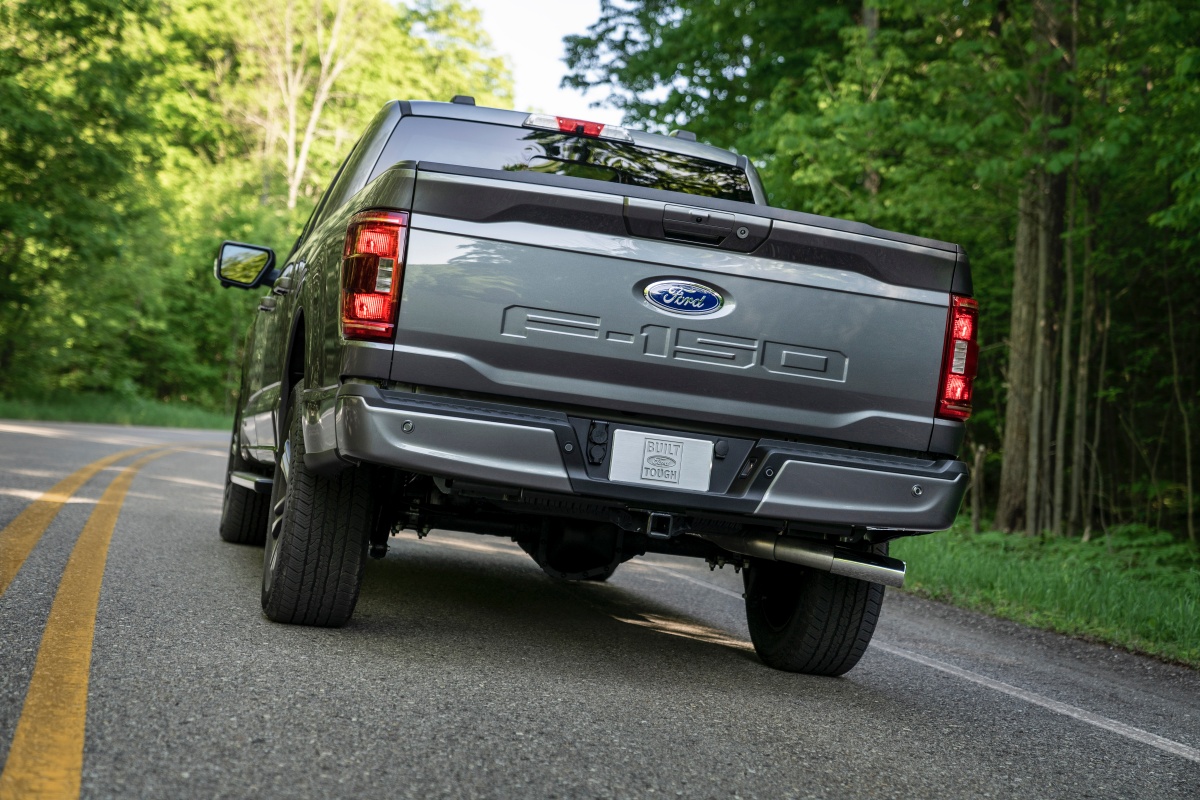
column 466, row 672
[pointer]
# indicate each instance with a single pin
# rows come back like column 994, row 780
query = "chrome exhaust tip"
column 816, row 555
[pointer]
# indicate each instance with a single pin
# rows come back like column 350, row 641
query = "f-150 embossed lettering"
column 682, row 344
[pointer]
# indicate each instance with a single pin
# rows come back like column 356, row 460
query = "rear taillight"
column 579, row 127
column 372, row 271
column 959, row 360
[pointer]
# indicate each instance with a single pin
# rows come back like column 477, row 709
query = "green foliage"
column 112, row 409
column 74, row 141
column 135, row 136
column 706, row 65
column 919, row 116
column 1135, row 587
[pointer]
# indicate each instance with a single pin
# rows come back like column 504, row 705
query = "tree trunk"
column 332, row 61
column 1094, row 478
column 1184, row 409
column 1064, row 388
column 1045, row 486
column 870, row 18
column 1014, row 471
column 1034, row 454
column 1041, row 408
column 300, row 90
column 1086, row 323
column 1036, row 262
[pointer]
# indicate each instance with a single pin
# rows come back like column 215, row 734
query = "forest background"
column 1056, row 140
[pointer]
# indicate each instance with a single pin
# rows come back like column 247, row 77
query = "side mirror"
column 245, row 266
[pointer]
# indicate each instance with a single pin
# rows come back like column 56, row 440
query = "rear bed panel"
column 557, row 314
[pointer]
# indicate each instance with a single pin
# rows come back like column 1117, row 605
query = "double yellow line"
column 46, row 756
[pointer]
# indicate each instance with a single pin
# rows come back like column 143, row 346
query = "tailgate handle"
column 742, row 233
column 699, row 225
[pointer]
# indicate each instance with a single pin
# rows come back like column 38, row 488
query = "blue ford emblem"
column 682, row 297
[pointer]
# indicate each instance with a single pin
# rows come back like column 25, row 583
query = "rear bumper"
column 547, row 451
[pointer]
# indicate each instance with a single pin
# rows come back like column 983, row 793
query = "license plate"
column 665, row 462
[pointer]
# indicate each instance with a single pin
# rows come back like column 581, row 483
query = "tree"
column 1046, row 138
column 74, row 141
column 708, row 66
column 133, row 138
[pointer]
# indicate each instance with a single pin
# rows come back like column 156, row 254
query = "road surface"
column 141, row 666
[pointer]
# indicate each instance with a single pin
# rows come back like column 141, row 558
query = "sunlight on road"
column 686, row 630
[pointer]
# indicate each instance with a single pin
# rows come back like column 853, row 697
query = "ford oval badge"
column 683, row 297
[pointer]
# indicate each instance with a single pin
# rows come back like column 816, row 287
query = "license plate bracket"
column 662, row 461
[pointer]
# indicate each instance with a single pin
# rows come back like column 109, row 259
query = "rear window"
column 503, row 147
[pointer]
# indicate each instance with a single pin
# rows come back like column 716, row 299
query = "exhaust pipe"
column 816, row 555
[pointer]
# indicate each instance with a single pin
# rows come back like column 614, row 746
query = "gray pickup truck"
column 600, row 343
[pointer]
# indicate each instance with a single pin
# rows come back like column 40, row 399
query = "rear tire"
column 804, row 620
column 244, row 512
column 317, row 540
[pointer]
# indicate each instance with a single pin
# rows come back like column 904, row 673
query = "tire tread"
column 830, row 627
column 323, row 544
column 244, row 512
column 244, row 517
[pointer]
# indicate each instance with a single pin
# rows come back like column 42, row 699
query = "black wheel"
column 244, row 511
column 317, row 539
column 804, row 620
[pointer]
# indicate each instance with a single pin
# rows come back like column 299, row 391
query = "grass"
column 1135, row 588
column 95, row 407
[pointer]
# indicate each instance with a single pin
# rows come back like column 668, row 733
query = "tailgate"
column 541, row 292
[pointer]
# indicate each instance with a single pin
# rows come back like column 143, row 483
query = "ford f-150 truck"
column 600, row 343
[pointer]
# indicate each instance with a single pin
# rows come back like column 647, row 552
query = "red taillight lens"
column 960, row 360
column 376, row 239
column 372, row 271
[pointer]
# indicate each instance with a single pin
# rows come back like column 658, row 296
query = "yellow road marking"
column 46, row 757
column 19, row 537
